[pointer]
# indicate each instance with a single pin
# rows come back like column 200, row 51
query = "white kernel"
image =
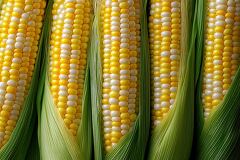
column 19, row 10
column 2, row 92
column 2, row 85
column 124, row 45
column 106, row 84
column 166, row 19
column 72, row 103
column 217, row 62
column 70, row 26
column 173, row 73
column 157, row 94
column 217, row 89
column 10, row 96
column 113, row 101
column 166, row 24
column 20, row 39
column 165, row 104
column 219, row 23
column 164, row 75
column 107, row 130
column 157, row 100
column 62, row 93
column 157, row 84
column 22, row 82
column 156, row 122
column 26, row 49
column 124, row 60
column 157, row 106
column 25, row 15
column 62, row 76
column 116, row 119
column 125, row 127
column 173, row 89
column 218, row 35
column 115, row 114
column 217, row 83
column 172, row 101
column 104, row 106
column 115, row 82
column 106, row 112
column 216, row 95
column 124, row 20
column 123, row 93
column 221, row 7
column 107, row 124
column 12, row 83
column 21, row 89
column 123, row 132
column 15, row 19
column 72, row 97
column 115, row 88
column 19, row 45
column 10, row 42
column 61, row 87
column 124, row 30
column 123, row 104
column 124, row 71
column 114, row 76
column 165, row 53
column 174, row 57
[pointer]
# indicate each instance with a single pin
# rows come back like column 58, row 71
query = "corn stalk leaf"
column 55, row 140
column 133, row 144
column 172, row 138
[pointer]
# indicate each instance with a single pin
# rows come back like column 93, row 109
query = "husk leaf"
column 220, row 135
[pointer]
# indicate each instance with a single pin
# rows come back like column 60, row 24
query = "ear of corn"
column 172, row 109
column 65, row 129
column 218, row 87
column 20, row 29
column 118, row 63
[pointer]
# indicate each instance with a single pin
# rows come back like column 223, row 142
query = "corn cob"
column 68, row 58
column 120, row 28
column 164, row 30
column 222, row 50
column 20, row 28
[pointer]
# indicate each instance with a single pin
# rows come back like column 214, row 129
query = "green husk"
column 133, row 144
column 55, row 140
column 217, row 137
column 220, row 135
column 33, row 149
column 198, row 110
column 17, row 146
column 172, row 139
